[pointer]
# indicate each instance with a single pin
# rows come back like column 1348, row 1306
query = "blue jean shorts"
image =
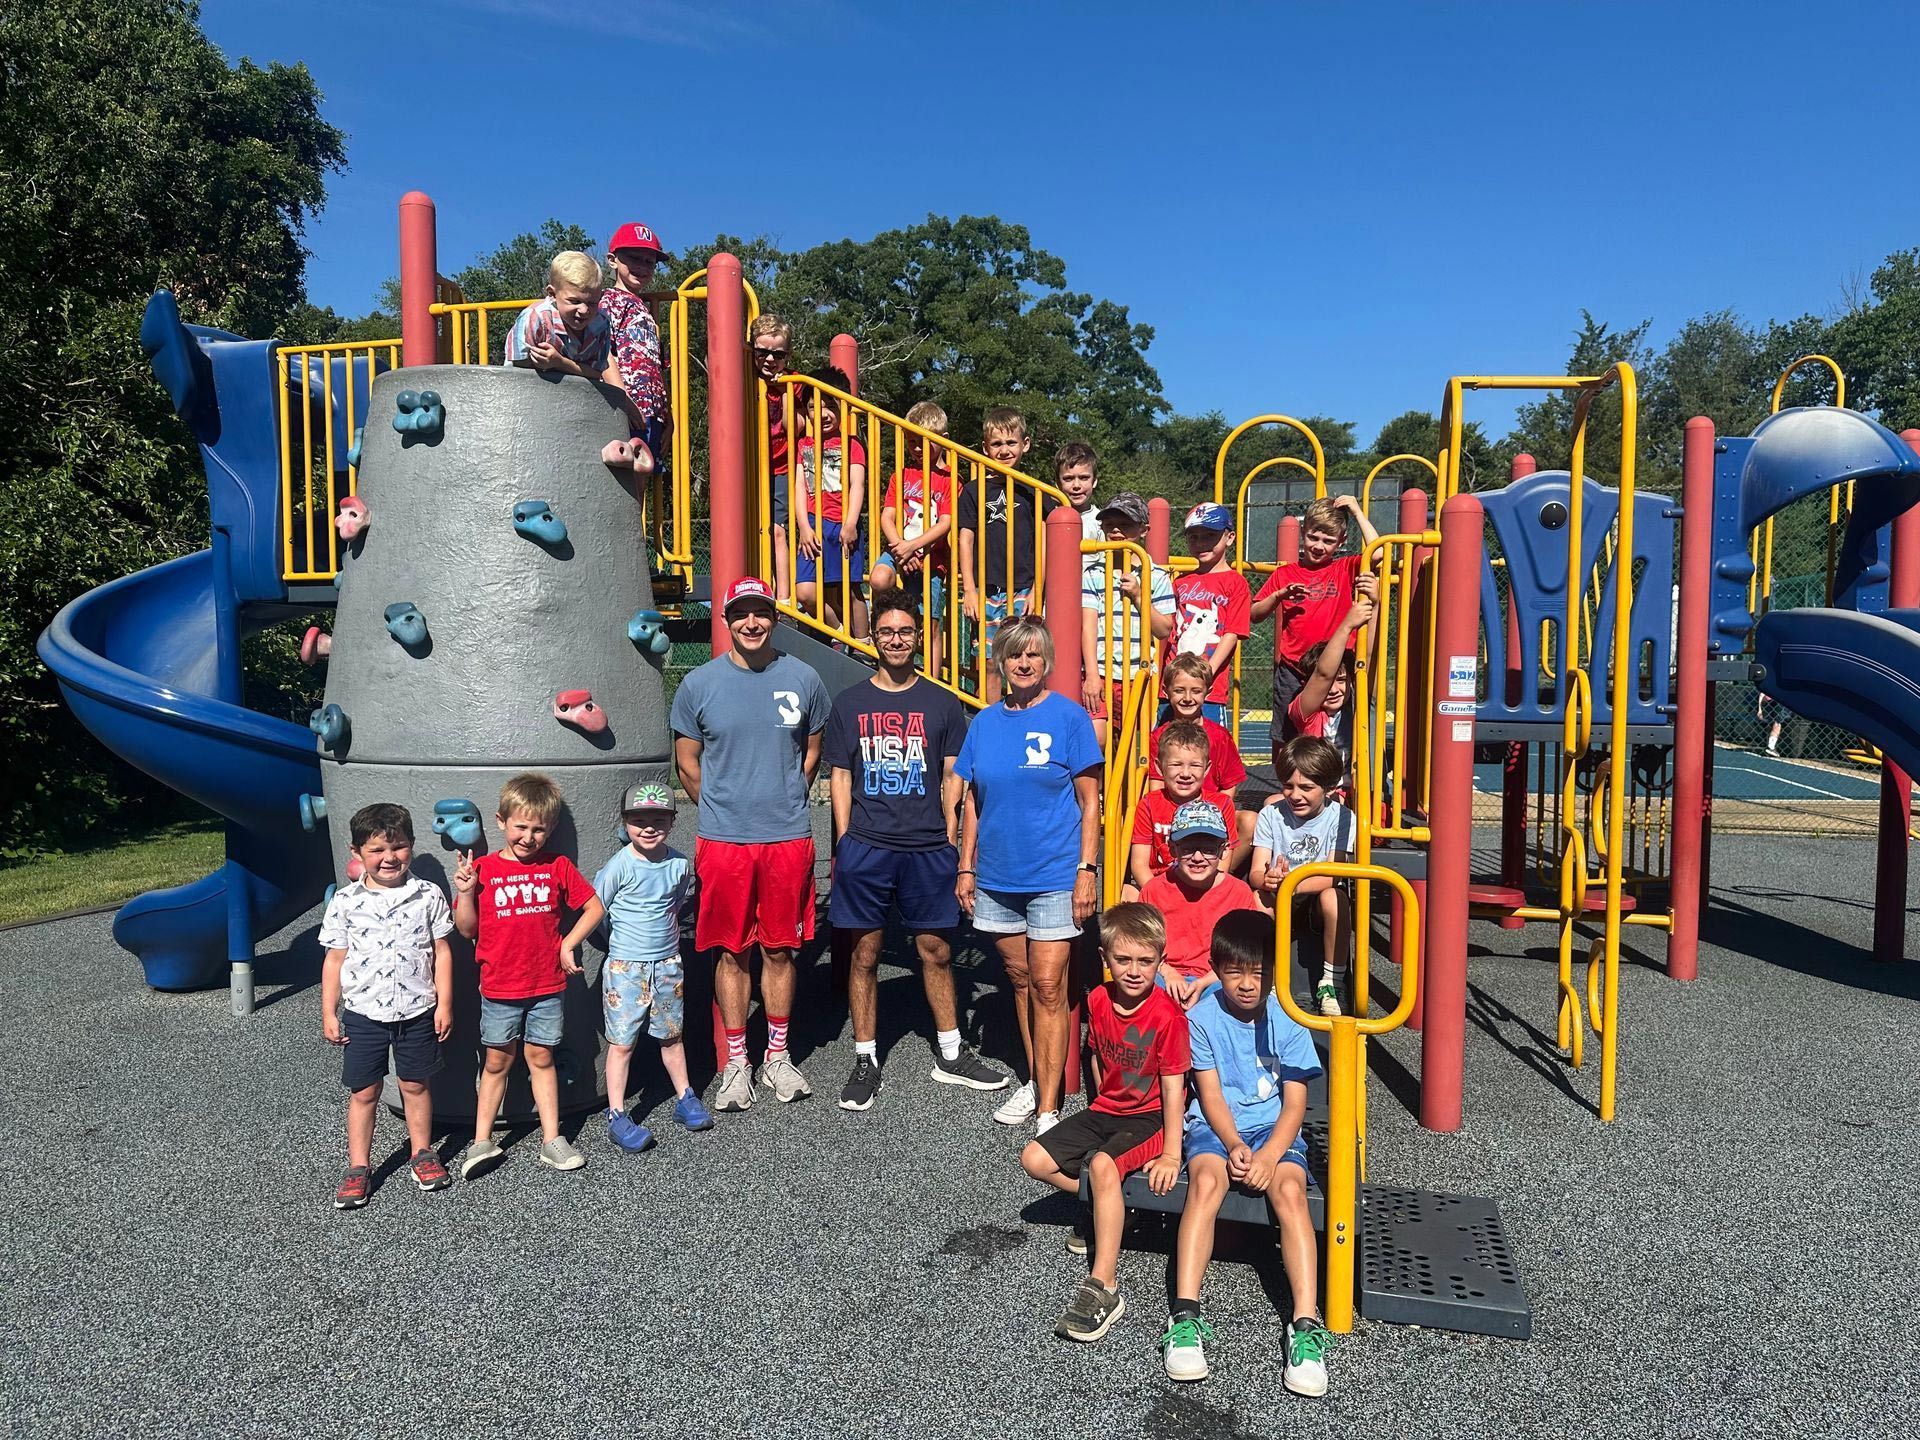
column 649, row 991
column 1037, row 914
column 538, row 1021
column 1200, row 1140
column 831, row 557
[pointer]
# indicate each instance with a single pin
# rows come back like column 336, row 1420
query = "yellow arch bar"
column 1299, row 427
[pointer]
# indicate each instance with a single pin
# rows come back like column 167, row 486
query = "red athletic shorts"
column 754, row 894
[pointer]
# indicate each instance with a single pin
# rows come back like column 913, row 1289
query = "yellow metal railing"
column 888, row 447
column 316, row 468
column 1125, row 663
column 1760, row 543
column 1382, row 679
column 1346, row 1058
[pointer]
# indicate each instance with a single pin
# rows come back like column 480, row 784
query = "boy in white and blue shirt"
column 644, row 887
column 1105, row 625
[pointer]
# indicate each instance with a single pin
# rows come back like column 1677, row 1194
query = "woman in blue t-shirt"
column 1029, row 837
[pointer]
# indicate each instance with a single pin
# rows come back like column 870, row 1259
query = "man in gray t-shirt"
column 746, row 741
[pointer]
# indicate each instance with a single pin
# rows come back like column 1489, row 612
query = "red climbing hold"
column 576, row 708
column 629, row 455
column 315, row 646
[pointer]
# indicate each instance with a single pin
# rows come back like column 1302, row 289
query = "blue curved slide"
column 1859, row 672
column 138, row 662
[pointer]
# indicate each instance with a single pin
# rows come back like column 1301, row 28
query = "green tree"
column 1545, row 428
column 1879, row 345
column 135, row 156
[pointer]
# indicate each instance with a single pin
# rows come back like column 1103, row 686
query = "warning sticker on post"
column 1463, row 677
column 1463, row 730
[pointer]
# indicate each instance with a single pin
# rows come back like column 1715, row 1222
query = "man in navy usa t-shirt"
column 890, row 748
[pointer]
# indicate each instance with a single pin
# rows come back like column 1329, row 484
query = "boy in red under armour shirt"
column 1139, row 1042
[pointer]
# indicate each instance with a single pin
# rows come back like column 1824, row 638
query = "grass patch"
column 62, row 880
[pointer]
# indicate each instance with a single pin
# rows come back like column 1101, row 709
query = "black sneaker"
column 1092, row 1313
column 968, row 1069
column 862, row 1085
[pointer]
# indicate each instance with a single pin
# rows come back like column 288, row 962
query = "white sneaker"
column 1307, row 1342
column 1018, row 1107
column 780, row 1075
column 1045, row 1121
column 1327, row 993
column 1183, row 1349
column 736, row 1087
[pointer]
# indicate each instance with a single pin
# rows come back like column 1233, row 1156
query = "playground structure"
column 1536, row 622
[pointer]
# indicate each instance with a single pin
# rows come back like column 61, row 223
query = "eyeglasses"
column 905, row 632
column 762, row 352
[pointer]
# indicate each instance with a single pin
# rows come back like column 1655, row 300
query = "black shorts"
column 1132, row 1140
column 411, row 1042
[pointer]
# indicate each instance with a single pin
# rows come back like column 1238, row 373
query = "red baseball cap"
column 635, row 236
column 747, row 587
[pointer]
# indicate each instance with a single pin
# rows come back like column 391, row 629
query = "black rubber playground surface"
column 1734, row 1256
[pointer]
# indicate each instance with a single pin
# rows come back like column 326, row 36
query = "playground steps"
column 1426, row 1257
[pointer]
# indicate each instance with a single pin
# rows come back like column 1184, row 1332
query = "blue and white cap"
column 1209, row 516
column 1197, row 817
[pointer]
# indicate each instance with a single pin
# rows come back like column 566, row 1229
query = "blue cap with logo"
column 1197, row 817
column 1208, row 515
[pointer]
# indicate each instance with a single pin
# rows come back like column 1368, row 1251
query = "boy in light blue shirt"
column 644, row 887
column 1251, row 1065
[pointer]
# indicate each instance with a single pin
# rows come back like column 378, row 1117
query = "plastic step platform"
column 1438, row 1260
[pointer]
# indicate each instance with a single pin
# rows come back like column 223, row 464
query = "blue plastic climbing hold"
column 419, row 412
column 406, row 624
column 535, row 520
column 353, row 451
column 459, row 821
column 329, row 722
column 313, row 809
column 648, row 630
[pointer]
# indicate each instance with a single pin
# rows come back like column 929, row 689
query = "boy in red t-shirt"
column 1139, row 1041
column 1184, row 684
column 1214, row 613
column 1321, row 708
column 1181, row 748
column 915, row 518
column 1193, row 895
column 1311, row 596
column 509, row 904
column 831, row 488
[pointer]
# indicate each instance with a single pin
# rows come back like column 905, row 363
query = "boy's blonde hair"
column 1074, row 452
column 1003, row 420
column 765, row 325
column 1324, row 514
column 532, row 792
column 576, row 268
column 1180, row 735
column 1135, row 921
column 928, row 416
column 1194, row 667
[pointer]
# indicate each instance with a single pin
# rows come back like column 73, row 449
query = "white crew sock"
column 949, row 1043
column 868, row 1048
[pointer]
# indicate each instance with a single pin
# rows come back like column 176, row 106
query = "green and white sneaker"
column 1183, row 1346
column 1307, row 1344
column 1327, row 993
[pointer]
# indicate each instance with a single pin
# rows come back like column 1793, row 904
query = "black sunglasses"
column 761, row 352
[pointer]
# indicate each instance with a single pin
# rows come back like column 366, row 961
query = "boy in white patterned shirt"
column 387, row 987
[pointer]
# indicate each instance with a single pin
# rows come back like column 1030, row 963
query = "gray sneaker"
column 780, row 1075
column 481, row 1155
column 1080, row 1236
column 1092, row 1312
column 560, row 1155
column 736, row 1087
column 968, row 1069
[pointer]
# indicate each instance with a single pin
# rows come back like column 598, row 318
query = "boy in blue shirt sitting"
column 643, row 887
column 1251, row 1065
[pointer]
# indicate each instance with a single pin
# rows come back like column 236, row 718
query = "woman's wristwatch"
column 1088, row 867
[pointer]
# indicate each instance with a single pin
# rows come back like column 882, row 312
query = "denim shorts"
column 1200, row 1140
column 832, row 558
column 1037, row 914
column 653, row 991
column 537, row 1020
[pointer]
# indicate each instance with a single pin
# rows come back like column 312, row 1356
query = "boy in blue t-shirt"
column 1251, row 1065
column 643, row 887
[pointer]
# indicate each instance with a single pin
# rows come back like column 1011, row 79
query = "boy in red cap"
column 1213, row 600
column 633, row 254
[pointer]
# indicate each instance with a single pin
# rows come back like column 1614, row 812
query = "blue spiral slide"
column 150, row 664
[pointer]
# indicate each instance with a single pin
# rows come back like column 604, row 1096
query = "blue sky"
column 1322, row 209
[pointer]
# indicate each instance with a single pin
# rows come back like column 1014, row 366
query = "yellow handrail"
column 1369, row 701
column 309, row 544
column 1346, row 1069
column 1760, row 544
column 1220, row 455
column 1130, row 653
column 1366, row 487
column 913, row 446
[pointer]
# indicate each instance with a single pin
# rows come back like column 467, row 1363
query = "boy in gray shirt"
column 746, row 740
column 1301, row 826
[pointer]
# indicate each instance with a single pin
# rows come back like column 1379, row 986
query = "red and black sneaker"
column 354, row 1189
column 428, row 1172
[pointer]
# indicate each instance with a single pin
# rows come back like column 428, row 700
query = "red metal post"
column 1159, row 529
column 726, row 430
column 1456, row 633
column 419, row 275
column 1690, row 737
column 1896, row 788
column 844, row 353
column 1061, row 600
column 1513, row 774
column 1286, row 551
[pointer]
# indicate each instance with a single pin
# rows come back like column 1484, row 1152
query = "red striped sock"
column 776, row 1033
column 737, row 1046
